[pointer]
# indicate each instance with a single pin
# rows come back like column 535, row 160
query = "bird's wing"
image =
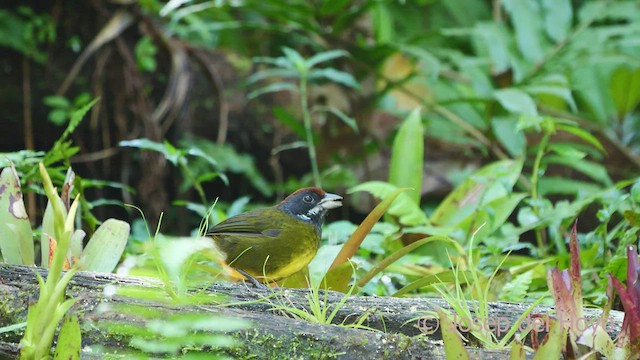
column 251, row 223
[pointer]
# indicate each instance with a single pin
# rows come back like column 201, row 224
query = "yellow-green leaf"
column 453, row 345
column 69, row 340
column 16, row 238
column 105, row 248
column 487, row 184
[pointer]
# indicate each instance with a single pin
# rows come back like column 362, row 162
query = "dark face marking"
column 309, row 205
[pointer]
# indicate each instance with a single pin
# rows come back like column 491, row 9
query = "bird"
column 275, row 242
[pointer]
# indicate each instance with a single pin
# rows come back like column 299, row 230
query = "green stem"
column 196, row 183
column 534, row 186
column 306, row 117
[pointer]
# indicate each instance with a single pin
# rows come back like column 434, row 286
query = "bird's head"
column 310, row 204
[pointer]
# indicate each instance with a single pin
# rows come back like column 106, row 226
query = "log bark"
column 273, row 334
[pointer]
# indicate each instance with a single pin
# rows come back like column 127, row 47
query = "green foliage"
column 24, row 31
column 292, row 66
column 227, row 160
column 532, row 91
column 69, row 340
column 16, row 242
column 63, row 110
column 407, row 212
column 145, row 54
column 320, row 310
column 407, row 157
column 174, row 334
column 43, row 317
column 180, row 158
column 178, row 263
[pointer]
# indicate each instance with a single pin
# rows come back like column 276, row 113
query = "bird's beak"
column 331, row 201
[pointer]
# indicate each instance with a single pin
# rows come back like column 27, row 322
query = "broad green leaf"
column 554, row 84
column 105, row 247
column 319, row 266
column 567, row 151
column 197, row 152
column 558, row 18
column 494, row 38
column 491, row 182
column 563, row 186
column 165, row 148
column 296, row 59
column 346, row 119
column 382, row 23
column 69, row 341
column 334, row 75
column 16, row 237
column 527, row 20
column 407, row 156
column 592, row 83
column 582, row 134
column 465, row 12
column 625, row 89
column 331, row 7
column 596, row 171
column 325, row 56
column 278, row 61
column 407, row 211
column 490, row 216
column 516, row 101
column 275, row 87
column 505, row 130
column 56, row 101
column 272, row 73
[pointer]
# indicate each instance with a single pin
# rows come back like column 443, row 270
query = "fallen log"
column 397, row 328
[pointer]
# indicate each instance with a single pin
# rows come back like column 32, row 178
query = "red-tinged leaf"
column 517, row 349
column 574, row 270
column 561, row 288
column 632, row 274
column 631, row 322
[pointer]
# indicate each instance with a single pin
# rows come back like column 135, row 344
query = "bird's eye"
column 307, row 199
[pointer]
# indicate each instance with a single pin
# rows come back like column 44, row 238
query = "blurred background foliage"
column 528, row 118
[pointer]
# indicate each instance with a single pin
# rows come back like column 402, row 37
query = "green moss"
column 258, row 345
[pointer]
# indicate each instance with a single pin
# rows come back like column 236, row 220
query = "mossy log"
column 272, row 333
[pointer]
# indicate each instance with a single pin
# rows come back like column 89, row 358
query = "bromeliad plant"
column 62, row 250
column 576, row 335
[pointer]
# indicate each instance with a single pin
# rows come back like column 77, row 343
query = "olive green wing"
column 261, row 222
